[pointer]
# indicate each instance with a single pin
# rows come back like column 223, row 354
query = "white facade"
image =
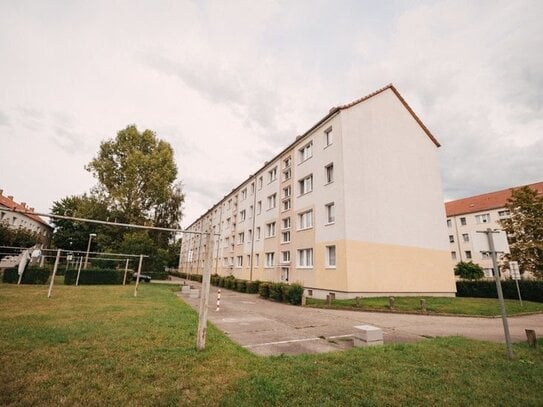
column 352, row 207
column 32, row 223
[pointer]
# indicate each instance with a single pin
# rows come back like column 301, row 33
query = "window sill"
column 301, row 230
column 330, row 268
column 285, row 242
column 304, row 267
column 328, row 145
column 330, row 223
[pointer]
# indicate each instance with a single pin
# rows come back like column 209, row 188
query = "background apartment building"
column 354, row 207
column 468, row 215
column 30, row 222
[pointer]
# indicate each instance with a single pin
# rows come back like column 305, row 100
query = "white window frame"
column 270, row 260
column 305, row 220
column 328, row 137
column 482, row 218
column 305, row 258
column 329, row 173
column 272, row 201
column 306, row 152
column 330, row 210
column 242, row 215
column 331, row 256
column 285, row 257
column 287, row 204
column 285, row 223
column 270, row 229
column 305, row 185
column 241, row 237
column 239, row 261
column 272, row 174
column 285, row 234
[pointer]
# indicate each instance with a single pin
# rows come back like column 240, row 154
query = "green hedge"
column 157, row 275
column 32, row 275
column 530, row 290
column 95, row 277
column 264, row 290
column 186, row 276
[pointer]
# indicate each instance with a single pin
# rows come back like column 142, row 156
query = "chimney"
column 10, row 197
column 23, row 204
column 1, row 191
column 31, row 209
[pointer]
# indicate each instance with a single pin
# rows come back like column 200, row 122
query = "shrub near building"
column 32, row 275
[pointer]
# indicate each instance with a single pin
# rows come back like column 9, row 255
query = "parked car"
column 143, row 277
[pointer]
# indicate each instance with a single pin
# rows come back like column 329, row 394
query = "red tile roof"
column 485, row 202
column 8, row 202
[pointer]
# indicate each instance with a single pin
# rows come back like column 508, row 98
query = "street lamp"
column 88, row 249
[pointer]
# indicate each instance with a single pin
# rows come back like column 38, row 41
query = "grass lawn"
column 435, row 305
column 98, row 345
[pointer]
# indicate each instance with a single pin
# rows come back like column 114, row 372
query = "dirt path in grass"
column 269, row 328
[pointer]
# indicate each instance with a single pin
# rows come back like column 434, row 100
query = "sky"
column 231, row 83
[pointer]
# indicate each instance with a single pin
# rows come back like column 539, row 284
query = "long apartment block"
column 353, row 207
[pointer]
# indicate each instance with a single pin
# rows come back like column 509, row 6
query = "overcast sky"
column 231, row 83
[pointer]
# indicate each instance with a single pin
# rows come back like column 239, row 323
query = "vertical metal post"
column 490, row 238
column 125, row 271
column 202, row 317
column 54, row 274
column 179, row 267
column 199, row 251
column 138, row 277
column 518, row 291
column 79, row 271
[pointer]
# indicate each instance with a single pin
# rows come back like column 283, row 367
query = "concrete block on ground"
column 194, row 293
column 368, row 335
column 185, row 289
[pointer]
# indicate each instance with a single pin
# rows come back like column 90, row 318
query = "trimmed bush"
column 32, row 275
column 241, row 286
column 94, row 277
column 230, row 282
column 276, row 291
column 469, row 270
column 294, row 294
column 214, row 279
column 252, row 287
column 264, row 290
column 157, row 275
column 531, row 290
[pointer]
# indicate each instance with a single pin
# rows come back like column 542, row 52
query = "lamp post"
column 88, row 249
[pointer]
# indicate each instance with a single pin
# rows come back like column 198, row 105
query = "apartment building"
column 466, row 216
column 353, row 207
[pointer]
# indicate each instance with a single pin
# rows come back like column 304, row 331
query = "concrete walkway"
column 269, row 328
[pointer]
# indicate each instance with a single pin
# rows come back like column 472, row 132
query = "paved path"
column 269, row 328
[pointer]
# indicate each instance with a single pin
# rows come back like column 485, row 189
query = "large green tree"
column 525, row 229
column 136, row 171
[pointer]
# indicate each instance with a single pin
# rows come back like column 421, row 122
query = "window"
column 305, row 258
column 242, row 215
column 451, row 238
column 330, row 213
column 270, row 229
column 285, row 237
column 248, row 260
column 465, row 237
column 270, row 259
column 463, row 221
column 328, row 137
column 258, row 233
column 305, row 220
column 244, row 194
column 331, row 256
column 449, row 223
column 259, row 207
column 239, row 261
column 285, row 223
column 251, row 211
column 229, row 204
column 225, row 261
column 227, row 242
column 484, row 218
column 504, row 213
column 250, row 235
column 272, row 174
column 286, row 192
column 287, row 174
column 260, row 182
column 488, row 272
column 241, row 238
column 468, row 254
column 285, row 257
column 252, row 188
column 286, row 204
column 287, row 161
column 329, row 172
column 306, row 152
column 453, row 255
column 272, row 201
column 257, row 259
column 306, row 184
column 486, row 255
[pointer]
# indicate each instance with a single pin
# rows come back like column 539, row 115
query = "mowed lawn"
column 98, row 345
column 434, row 305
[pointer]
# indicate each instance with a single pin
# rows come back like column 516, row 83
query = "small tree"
column 469, row 270
column 525, row 229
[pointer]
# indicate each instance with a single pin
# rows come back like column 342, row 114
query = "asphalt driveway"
column 269, row 328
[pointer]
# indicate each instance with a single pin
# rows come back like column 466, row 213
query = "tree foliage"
column 137, row 172
column 18, row 237
column 469, row 270
column 524, row 228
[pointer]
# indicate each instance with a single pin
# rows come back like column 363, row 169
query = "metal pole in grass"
column 79, row 271
column 138, row 277
column 125, row 271
column 202, row 317
column 489, row 232
column 54, row 274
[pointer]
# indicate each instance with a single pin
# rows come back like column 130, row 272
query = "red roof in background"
column 10, row 203
column 485, row 202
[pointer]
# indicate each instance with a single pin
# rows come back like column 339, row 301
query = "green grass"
column 435, row 305
column 98, row 345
